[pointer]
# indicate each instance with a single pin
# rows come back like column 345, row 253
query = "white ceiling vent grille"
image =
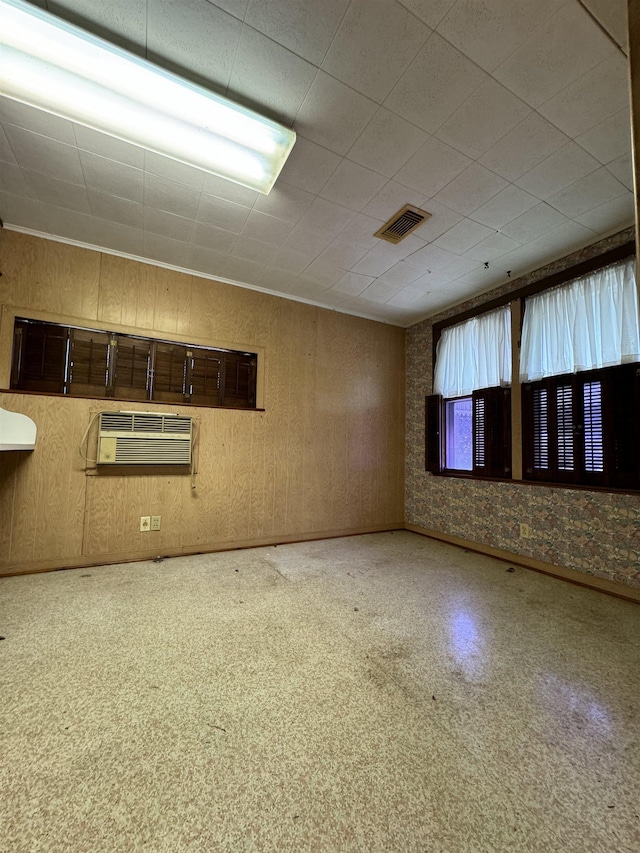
column 402, row 224
column 144, row 438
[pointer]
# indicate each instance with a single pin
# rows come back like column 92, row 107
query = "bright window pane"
column 459, row 422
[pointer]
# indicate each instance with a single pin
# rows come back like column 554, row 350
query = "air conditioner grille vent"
column 402, row 224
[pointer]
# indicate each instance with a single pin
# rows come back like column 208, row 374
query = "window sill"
column 130, row 401
column 576, row 487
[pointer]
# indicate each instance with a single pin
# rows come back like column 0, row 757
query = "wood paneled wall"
column 325, row 457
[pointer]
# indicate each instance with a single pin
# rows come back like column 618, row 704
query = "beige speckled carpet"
column 375, row 693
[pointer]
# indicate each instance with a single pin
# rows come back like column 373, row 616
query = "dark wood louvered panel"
column 565, row 437
column 88, row 363
column 132, row 373
column 479, row 432
column 593, row 427
column 170, row 373
column 205, row 377
column 42, row 357
column 239, row 381
column 540, row 406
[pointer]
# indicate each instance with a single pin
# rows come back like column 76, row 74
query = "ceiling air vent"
column 402, row 224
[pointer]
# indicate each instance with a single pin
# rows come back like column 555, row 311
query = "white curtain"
column 589, row 323
column 475, row 354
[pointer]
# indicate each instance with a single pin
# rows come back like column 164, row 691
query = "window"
column 54, row 359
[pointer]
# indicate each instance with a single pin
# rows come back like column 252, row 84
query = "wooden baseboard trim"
column 571, row 575
column 40, row 566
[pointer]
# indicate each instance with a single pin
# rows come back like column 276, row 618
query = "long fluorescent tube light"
column 57, row 67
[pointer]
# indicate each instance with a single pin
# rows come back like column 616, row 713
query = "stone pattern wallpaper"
column 591, row 531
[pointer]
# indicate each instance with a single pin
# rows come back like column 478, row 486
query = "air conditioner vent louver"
column 140, row 438
column 402, row 224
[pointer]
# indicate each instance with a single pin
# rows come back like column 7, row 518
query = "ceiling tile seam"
column 334, row 36
column 599, row 24
column 568, row 86
column 414, row 15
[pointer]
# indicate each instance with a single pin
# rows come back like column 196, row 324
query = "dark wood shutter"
column 89, row 363
column 132, row 372
column 40, row 357
column 492, row 432
column 170, row 373
column 205, row 378
column 625, row 424
column 239, row 381
column 433, row 433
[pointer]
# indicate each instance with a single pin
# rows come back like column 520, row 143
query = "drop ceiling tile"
column 484, row 118
column 563, row 167
column 12, row 180
column 490, row 31
column 23, row 212
column 388, row 31
column 6, row 154
column 305, row 28
column 534, row 223
column 612, row 216
column 326, row 217
column 253, row 250
column 597, row 95
column 237, row 8
column 436, row 83
column 401, row 273
column 240, row 269
column 441, row 220
column 528, row 144
column 352, row 185
column 37, row 121
column 622, row 169
column 113, row 178
column 284, row 202
column 269, row 229
column 381, row 291
column 562, row 240
column 167, row 225
column 123, row 24
column 361, row 230
column 214, row 239
column 292, row 260
column 108, row 146
column 567, row 46
column 270, row 78
column 276, row 280
column 353, row 283
column 118, row 236
column 323, row 272
column 193, row 36
column 386, row 143
column 127, row 213
column 70, row 224
column 221, row 213
column 213, row 185
column 172, row 170
column 203, row 260
column 349, row 112
column 593, row 190
column 58, row 193
column 307, row 288
column 430, row 11
column 508, row 204
column 613, row 17
column 491, row 247
column 342, row 253
column 432, row 167
column 169, row 196
column 376, row 262
column 164, row 249
column 610, row 139
column 390, row 199
column 41, row 154
column 308, row 168
column 462, row 236
column 407, row 297
column 309, row 241
column 432, row 259
column 470, row 189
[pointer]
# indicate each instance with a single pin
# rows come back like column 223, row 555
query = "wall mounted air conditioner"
column 144, row 438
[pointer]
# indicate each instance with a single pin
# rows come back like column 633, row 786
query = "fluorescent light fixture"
column 57, row 67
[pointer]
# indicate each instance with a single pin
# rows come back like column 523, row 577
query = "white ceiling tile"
column 38, row 121
column 470, row 189
column 462, row 236
column 110, row 177
column 121, row 23
column 323, row 272
column 169, row 196
column 534, row 223
column 204, row 260
column 353, row 283
column 361, row 230
column 253, row 250
column 42, row 154
column 237, row 8
column 127, row 213
column 622, row 169
column 277, row 280
column 523, row 147
column 307, row 288
column 386, row 143
column 12, row 180
column 70, row 224
column 468, row 129
column 598, row 94
column 164, row 249
column 23, row 212
column 349, row 113
column 473, row 283
column 436, row 83
column 193, row 36
column 213, row 185
column 432, row 167
column 441, row 220
column 561, row 241
column 308, row 168
column 491, row 247
column 370, row 30
column 401, row 273
column 612, row 15
column 305, row 28
column 118, row 236
column 406, row 247
column 306, row 241
column 593, row 190
column 490, row 31
column 381, row 290
column 508, row 204
column 612, row 216
column 221, row 213
column 375, row 262
column 610, row 139
column 269, row 229
column 390, row 199
column 563, row 167
column 240, row 269
column 342, row 253
column 58, row 193
column 326, row 217
column 214, row 239
column 568, row 45
column 166, row 224
column 108, row 146
column 172, row 170
column 432, row 259
column 285, row 201
column 6, row 154
column 353, row 186
column 430, row 11
column 292, row 260
column 269, row 77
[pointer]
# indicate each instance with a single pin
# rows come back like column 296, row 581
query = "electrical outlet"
column 155, row 522
column 525, row 531
column 145, row 523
